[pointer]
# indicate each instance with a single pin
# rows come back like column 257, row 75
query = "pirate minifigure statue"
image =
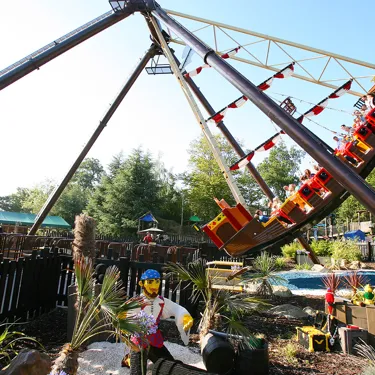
column 160, row 308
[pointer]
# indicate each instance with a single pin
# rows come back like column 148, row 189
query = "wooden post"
column 309, row 249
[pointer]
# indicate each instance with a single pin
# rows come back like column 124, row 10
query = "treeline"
column 130, row 186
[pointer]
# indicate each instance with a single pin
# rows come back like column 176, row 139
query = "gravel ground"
column 105, row 358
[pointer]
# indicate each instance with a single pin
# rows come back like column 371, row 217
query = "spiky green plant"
column 368, row 352
column 220, row 306
column 264, row 274
column 9, row 340
column 106, row 312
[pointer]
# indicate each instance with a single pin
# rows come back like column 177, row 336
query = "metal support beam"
column 198, row 115
column 341, row 172
column 228, row 135
column 54, row 196
column 58, row 47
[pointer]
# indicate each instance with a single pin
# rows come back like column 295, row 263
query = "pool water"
column 306, row 280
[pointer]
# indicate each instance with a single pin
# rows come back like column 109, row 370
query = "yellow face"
column 150, row 287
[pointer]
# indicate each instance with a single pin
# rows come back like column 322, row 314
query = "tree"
column 89, row 174
column 205, row 181
column 350, row 207
column 13, row 202
column 280, row 168
column 131, row 192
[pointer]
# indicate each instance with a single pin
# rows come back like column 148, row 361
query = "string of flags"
column 227, row 55
column 319, row 108
column 283, row 73
column 269, row 143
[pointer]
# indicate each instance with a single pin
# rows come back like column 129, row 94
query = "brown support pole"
column 309, row 249
column 55, row 195
column 227, row 134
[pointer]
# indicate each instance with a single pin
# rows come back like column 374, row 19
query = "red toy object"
column 350, row 326
column 330, row 299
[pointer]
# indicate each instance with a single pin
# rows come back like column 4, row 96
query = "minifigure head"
column 150, row 282
column 368, row 288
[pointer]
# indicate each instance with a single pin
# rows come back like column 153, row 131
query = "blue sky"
column 48, row 116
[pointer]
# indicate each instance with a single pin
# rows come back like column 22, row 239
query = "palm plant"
column 354, row 281
column 106, row 312
column 220, row 306
column 264, row 274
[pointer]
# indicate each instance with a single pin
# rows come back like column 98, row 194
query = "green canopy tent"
column 27, row 220
column 195, row 219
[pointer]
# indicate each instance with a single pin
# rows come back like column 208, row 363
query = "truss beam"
column 279, row 43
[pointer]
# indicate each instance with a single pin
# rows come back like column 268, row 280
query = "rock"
column 310, row 311
column 281, row 291
column 355, row 265
column 29, row 362
column 288, row 311
column 343, row 263
column 318, row 268
column 251, row 287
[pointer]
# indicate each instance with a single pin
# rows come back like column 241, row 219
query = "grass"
column 304, row 266
column 290, row 352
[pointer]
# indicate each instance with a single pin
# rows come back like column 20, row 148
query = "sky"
column 47, row 116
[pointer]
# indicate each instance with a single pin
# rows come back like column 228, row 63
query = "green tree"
column 205, row 181
column 89, row 174
column 349, row 208
column 119, row 201
column 13, row 202
column 280, row 168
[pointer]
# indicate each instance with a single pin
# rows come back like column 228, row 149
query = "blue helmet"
column 150, row 274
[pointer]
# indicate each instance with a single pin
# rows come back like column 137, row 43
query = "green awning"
column 21, row 218
column 195, row 219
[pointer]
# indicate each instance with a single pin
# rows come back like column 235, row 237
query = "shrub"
column 280, row 263
column 348, row 250
column 304, row 266
column 322, row 248
column 289, row 251
column 290, row 352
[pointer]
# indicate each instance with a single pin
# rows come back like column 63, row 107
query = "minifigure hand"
column 187, row 322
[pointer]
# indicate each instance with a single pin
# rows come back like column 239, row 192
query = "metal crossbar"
column 54, row 43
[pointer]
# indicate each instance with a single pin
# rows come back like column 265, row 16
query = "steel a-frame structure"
column 155, row 15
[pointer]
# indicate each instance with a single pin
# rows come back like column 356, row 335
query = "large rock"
column 281, row 291
column 355, row 265
column 309, row 310
column 288, row 311
column 319, row 268
column 29, row 362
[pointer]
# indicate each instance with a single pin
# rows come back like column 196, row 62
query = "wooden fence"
column 37, row 284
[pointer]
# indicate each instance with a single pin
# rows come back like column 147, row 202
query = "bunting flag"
column 283, row 73
column 319, row 108
column 269, row 143
column 196, row 71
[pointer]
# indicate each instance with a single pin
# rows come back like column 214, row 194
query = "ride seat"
column 325, row 178
column 365, row 134
column 220, row 229
column 308, row 194
column 292, row 211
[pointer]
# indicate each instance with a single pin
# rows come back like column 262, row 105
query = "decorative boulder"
column 319, row 268
column 310, row 311
column 355, row 265
column 29, row 362
column 289, row 312
column 281, row 291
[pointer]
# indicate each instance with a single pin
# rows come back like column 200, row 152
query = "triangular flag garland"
column 269, row 143
column 196, row 71
column 319, row 108
column 283, row 73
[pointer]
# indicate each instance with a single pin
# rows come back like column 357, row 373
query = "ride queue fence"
column 38, row 282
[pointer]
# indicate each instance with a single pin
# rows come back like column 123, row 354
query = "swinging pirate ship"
column 234, row 230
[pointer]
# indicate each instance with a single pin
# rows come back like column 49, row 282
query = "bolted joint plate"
column 132, row 6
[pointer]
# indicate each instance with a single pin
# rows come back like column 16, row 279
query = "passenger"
column 147, row 238
column 308, row 174
column 260, row 217
column 348, row 131
column 359, row 115
column 340, row 143
column 369, row 103
column 292, row 189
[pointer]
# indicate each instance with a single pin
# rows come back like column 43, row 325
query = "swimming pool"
column 305, row 281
